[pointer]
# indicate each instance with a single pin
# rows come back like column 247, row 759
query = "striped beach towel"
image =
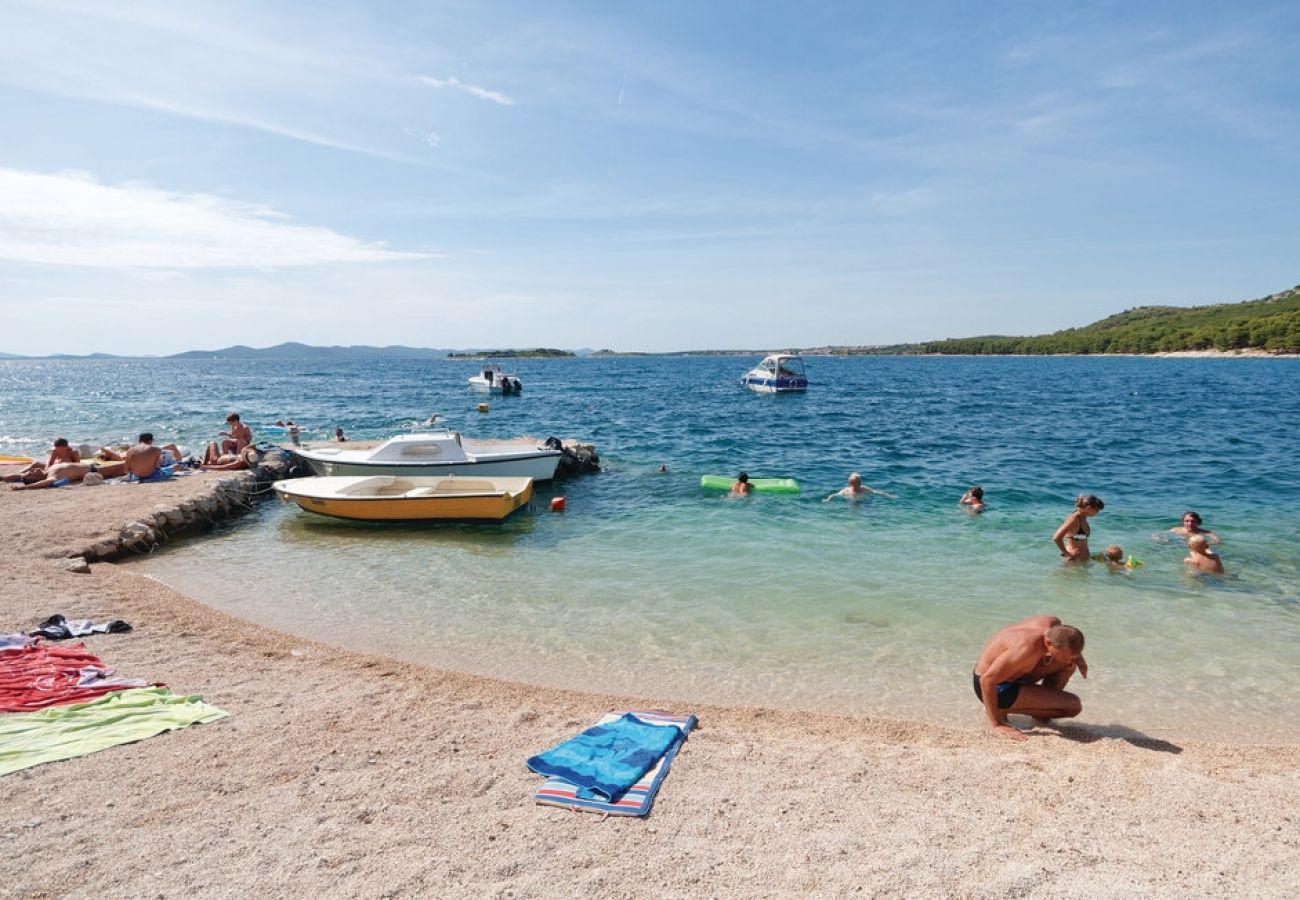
column 637, row 799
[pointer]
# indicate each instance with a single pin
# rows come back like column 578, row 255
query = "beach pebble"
column 78, row 565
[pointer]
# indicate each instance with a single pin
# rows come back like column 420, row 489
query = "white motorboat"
column 436, row 453
column 386, row 498
column 491, row 378
column 779, row 373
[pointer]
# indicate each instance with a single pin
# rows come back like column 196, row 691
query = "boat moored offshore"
column 778, row 373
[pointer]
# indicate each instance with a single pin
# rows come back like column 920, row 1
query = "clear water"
column 649, row 586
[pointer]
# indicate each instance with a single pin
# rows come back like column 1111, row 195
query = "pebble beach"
column 342, row 774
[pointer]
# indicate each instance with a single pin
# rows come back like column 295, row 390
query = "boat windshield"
column 789, row 366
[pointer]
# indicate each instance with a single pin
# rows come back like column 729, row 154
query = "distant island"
column 1269, row 325
column 537, row 353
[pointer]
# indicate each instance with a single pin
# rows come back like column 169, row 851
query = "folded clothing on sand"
column 606, row 760
column 58, row 628
column 122, row 717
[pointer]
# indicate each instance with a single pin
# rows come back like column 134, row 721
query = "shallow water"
column 648, row 585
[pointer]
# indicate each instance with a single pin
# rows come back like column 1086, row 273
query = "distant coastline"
column 1267, row 327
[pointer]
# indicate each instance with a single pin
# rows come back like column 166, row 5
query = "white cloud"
column 70, row 219
column 472, row 89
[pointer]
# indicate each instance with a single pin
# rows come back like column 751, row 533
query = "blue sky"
column 650, row 176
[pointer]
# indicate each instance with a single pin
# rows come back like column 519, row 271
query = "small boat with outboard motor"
column 492, row 379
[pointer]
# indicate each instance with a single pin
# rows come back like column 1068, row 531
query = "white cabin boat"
column 492, row 379
column 435, row 453
column 779, row 373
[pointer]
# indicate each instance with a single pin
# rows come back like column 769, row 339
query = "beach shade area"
column 616, row 766
column 59, row 703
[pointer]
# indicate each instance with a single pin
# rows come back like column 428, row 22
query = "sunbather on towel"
column 145, row 462
column 215, row 460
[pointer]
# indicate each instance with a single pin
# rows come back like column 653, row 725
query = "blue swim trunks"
column 160, row 474
column 1008, row 691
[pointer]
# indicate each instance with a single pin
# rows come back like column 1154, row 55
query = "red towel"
column 35, row 677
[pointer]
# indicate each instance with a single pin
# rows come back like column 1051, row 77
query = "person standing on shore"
column 1072, row 537
column 1024, row 669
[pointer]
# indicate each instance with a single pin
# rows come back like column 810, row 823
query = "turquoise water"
column 648, row 585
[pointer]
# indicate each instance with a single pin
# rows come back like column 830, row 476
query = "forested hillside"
column 1271, row 323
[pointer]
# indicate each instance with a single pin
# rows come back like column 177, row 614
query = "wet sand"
column 339, row 774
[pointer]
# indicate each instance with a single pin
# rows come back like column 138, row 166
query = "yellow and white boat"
column 390, row 498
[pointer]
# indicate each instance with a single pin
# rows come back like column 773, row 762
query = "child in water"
column 973, row 499
column 1201, row 558
column 1114, row 558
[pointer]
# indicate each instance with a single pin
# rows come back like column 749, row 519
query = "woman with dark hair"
column 1072, row 537
column 1192, row 525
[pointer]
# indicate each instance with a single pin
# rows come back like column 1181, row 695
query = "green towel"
column 64, row 732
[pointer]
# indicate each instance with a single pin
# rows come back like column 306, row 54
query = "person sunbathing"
column 216, row 461
column 145, row 462
column 60, row 474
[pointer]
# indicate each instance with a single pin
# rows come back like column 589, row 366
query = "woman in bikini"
column 1072, row 537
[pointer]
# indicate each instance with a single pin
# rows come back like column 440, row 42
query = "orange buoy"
column 557, row 504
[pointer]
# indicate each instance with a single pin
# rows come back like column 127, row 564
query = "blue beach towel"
column 607, row 759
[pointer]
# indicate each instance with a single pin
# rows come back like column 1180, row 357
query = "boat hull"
column 534, row 466
column 418, row 499
column 775, row 385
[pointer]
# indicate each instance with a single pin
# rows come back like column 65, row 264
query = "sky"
column 634, row 176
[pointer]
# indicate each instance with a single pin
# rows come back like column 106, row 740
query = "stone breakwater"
column 218, row 500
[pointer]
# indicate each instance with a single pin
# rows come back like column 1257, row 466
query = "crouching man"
column 1024, row 669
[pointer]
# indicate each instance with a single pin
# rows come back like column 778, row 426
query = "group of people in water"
column 1071, row 538
column 143, row 462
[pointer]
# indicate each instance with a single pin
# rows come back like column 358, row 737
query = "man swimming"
column 1024, row 669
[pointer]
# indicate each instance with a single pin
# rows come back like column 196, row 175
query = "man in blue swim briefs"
column 1024, row 669
column 145, row 462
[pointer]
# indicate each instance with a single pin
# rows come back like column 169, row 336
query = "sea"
column 647, row 585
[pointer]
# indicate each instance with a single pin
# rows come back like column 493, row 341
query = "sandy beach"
column 342, row 775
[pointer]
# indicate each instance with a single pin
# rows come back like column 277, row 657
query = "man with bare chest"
column 1024, row 669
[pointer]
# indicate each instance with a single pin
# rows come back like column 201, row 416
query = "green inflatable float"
column 760, row 485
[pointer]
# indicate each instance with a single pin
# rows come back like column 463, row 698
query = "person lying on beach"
column 35, row 471
column 1192, row 525
column 1024, row 669
column 741, row 487
column 973, row 499
column 238, row 437
column 856, row 490
column 216, row 461
column 1072, row 537
column 60, row 474
column 1201, row 558
column 145, row 462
